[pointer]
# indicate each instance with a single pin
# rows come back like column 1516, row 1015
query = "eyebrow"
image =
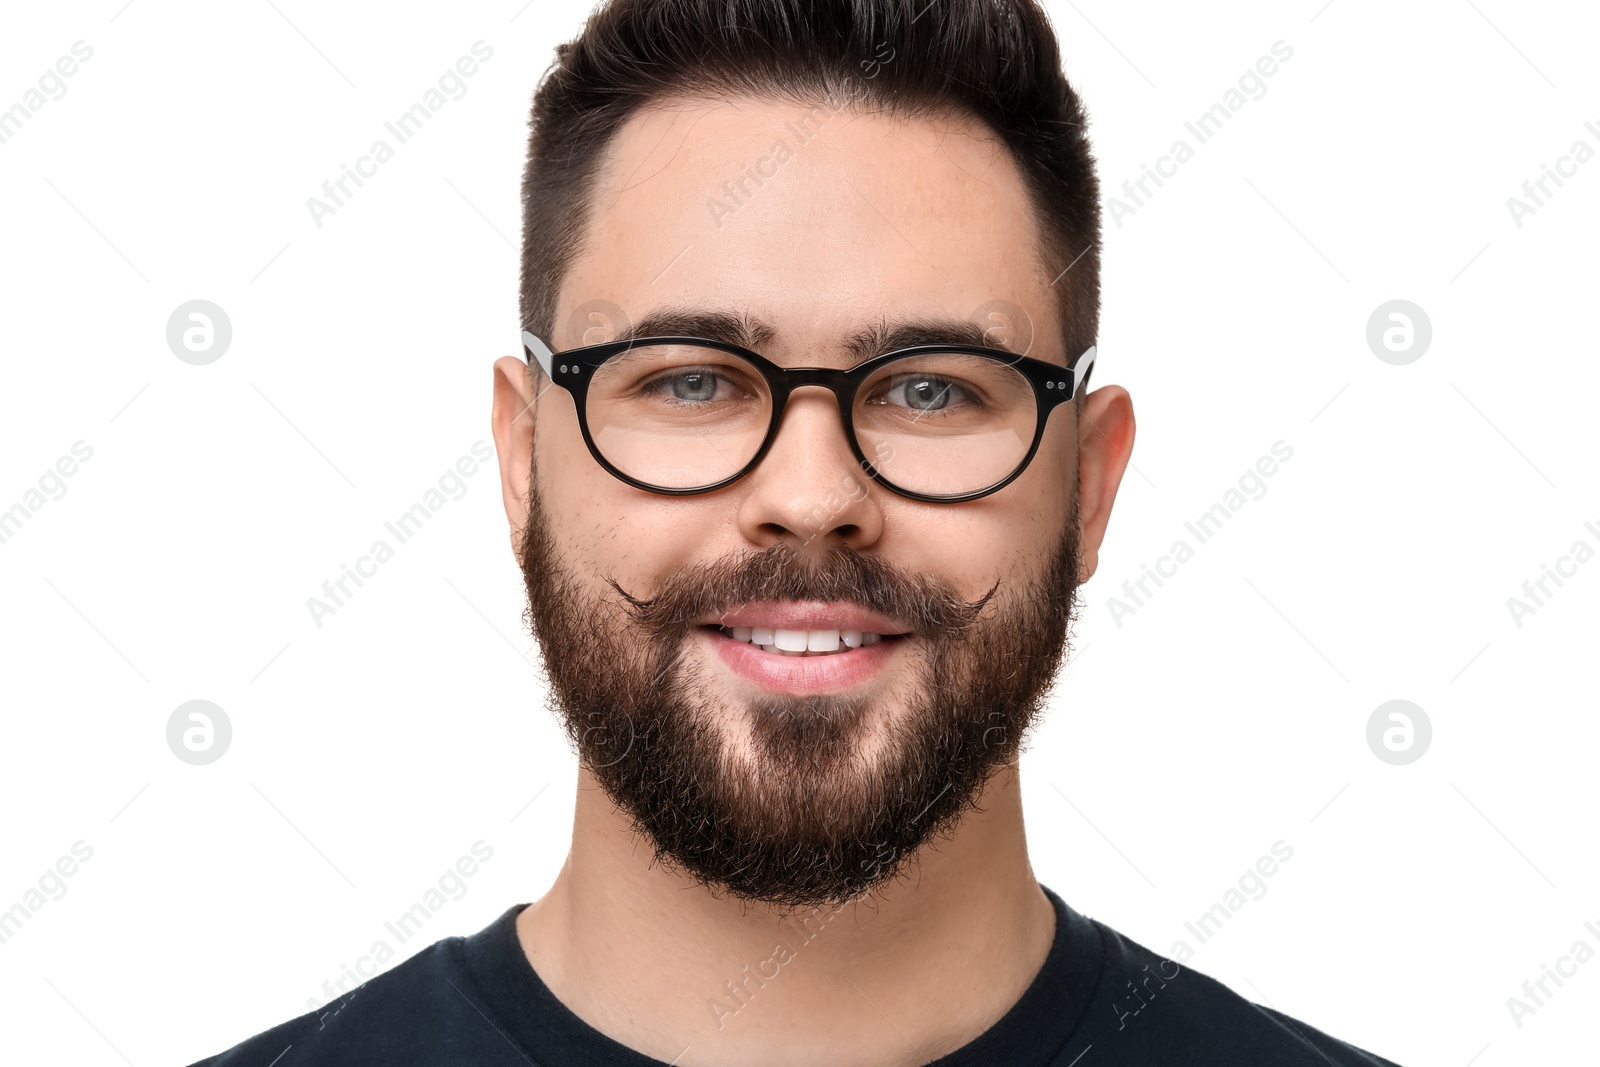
column 748, row 331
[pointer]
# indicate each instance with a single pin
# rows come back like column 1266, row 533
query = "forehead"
column 816, row 221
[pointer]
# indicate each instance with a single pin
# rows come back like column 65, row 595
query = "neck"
column 907, row 974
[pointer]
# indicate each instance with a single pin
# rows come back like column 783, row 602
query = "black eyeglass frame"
column 574, row 368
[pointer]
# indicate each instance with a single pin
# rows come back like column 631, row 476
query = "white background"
column 1227, row 713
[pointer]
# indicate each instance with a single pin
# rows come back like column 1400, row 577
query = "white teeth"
column 822, row 640
column 789, row 640
column 801, row 642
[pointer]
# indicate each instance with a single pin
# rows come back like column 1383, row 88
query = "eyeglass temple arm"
column 542, row 353
column 1080, row 370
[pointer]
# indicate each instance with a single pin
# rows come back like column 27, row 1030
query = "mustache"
column 780, row 572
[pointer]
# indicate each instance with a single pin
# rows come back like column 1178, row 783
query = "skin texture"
column 874, row 216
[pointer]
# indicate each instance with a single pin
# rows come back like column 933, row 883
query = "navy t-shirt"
column 1099, row 1000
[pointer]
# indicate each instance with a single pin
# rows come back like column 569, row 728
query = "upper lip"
column 807, row 615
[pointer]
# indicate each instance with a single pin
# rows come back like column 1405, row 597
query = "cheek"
column 580, row 499
column 1005, row 537
column 1045, row 490
column 577, row 491
column 965, row 547
column 606, row 529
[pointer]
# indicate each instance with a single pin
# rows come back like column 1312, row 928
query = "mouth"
column 805, row 647
column 803, row 642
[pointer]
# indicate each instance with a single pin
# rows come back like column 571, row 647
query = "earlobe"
column 511, row 421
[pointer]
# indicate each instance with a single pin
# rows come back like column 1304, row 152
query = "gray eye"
column 926, row 394
column 696, row 386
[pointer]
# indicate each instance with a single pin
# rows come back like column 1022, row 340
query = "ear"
column 1105, row 443
column 511, row 420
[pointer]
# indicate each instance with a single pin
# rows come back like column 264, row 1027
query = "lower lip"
column 807, row 674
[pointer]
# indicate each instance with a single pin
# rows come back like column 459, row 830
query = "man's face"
column 798, row 780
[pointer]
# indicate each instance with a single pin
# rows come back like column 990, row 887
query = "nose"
column 809, row 489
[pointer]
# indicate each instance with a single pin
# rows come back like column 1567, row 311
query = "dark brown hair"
column 996, row 60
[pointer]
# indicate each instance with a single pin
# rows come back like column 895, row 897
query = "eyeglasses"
column 684, row 415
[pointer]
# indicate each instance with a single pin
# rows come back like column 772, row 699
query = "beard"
column 790, row 800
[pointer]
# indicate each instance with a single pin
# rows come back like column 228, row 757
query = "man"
column 803, row 474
